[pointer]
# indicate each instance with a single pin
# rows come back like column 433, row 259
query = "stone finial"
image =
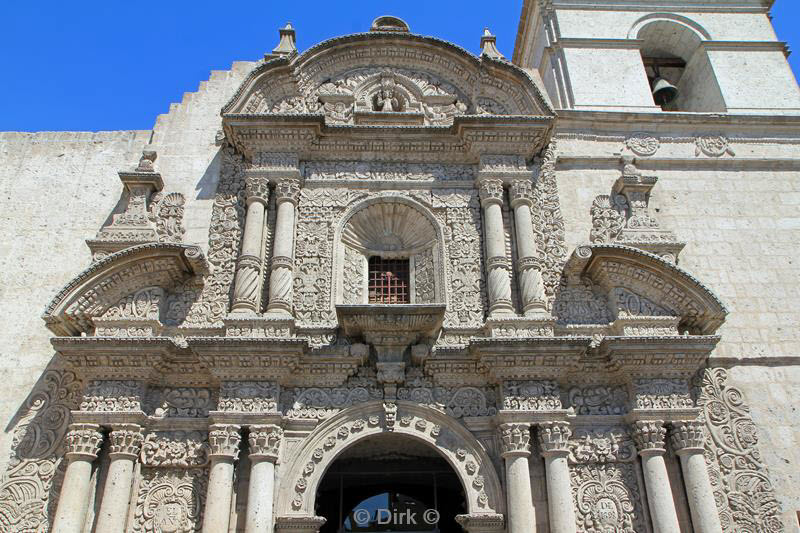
column 489, row 45
column 286, row 47
column 146, row 161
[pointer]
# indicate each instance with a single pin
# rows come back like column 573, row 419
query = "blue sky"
column 113, row 65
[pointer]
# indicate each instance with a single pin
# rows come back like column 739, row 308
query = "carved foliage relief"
column 548, row 224
column 170, row 500
column 605, row 485
column 742, row 489
column 465, row 265
column 29, row 487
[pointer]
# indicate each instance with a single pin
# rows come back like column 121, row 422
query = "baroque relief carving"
column 531, row 395
column 740, row 479
column 175, row 449
column 316, row 402
column 457, row 402
column 607, row 498
column 598, row 399
column 30, row 485
column 180, row 401
column 170, row 501
column 248, row 396
column 112, row 395
column 548, row 223
column 662, row 394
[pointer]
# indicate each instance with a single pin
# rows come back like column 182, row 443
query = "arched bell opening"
column 390, row 482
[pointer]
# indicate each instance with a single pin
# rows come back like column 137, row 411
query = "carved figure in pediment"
column 385, row 99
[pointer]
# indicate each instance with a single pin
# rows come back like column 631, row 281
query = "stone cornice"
column 694, row 123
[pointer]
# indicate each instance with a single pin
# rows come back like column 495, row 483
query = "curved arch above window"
column 390, row 251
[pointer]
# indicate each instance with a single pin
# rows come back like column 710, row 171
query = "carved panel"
column 353, row 276
column 457, row 402
column 531, row 395
column 424, row 278
column 248, row 396
column 590, row 445
column 175, row 449
column 662, row 394
column 112, row 395
column 170, row 500
column 465, row 267
column 598, row 400
column 318, row 402
column 607, row 498
column 180, row 401
column 29, row 487
column 740, row 479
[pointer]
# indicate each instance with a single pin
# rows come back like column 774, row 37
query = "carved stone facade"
column 223, row 386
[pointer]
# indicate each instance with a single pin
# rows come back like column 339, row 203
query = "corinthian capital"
column 224, row 440
column 257, row 189
column 649, row 436
column 554, row 437
column 83, row 440
column 521, row 192
column 126, row 440
column 516, row 439
column 265, row 442
column 287, row 190
column 687, row 436
column 491, row 191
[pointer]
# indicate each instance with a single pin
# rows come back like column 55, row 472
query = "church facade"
column 388, row 285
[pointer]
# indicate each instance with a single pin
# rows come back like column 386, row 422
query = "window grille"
column 388, row 281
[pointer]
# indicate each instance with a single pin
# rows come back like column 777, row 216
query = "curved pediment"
column 119, row 275
column 388, row 77
column 660, row 288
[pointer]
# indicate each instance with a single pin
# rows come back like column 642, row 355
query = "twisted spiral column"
column 281, row 282
column 497, row 267
column 531, row 285
column 247, row 284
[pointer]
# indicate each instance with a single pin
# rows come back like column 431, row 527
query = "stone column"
column 531, row 285
column 83, row 445
column 516, row 450
column 265, row 442
column 649, row 437
column 497, row 268
column 553, row 442
column 247, row 286
column 281, row 280
column 126, row 442
column 687, row 441
column 224, row 441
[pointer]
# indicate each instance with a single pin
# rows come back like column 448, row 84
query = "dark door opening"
column 390, row 483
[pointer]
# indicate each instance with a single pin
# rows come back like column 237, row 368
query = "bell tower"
column 718, row 56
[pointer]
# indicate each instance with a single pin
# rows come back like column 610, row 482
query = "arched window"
column 390, row 255
column 678, row 68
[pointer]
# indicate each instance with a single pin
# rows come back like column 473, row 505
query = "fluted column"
column 83, row 445
column 224, row 441
column 265, row 442
column 687, row 441
column 281, row 281
column 553, row 443
column 531, row 285
column 649, row 437
column 497, row 267
column 126, row 442
column 515, row 439
column 247, row 284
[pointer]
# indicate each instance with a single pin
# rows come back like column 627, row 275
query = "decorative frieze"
column 193, row 402
column 175, row 449
column 598, row 399
column 600, row 445
column 248, row 396
column 112, row 396
column 531, row 395
column 662, row 393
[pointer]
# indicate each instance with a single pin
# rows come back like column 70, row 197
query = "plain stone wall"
column 59, row 188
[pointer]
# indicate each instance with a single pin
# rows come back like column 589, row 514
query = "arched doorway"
column 390, row 483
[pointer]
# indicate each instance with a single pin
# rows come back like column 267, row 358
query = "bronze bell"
column 663, row 91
